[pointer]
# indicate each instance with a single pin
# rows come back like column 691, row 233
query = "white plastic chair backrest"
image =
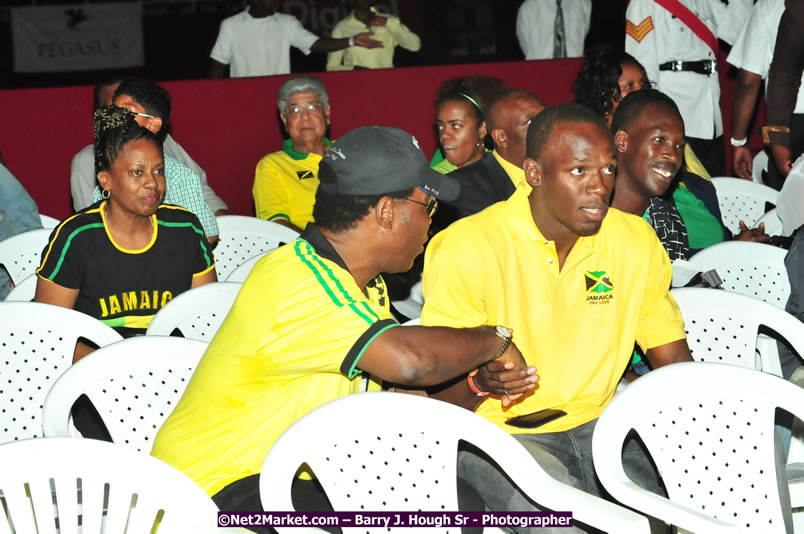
column 197, row 313
column 241, row 238
column 759, row 166
column 773, row 224
column 400, row 454
column 752, row 269
column 741, row 200
column 22, row 253
column 242, row 271
column 722, row 327
column 134, row 384
column 37, row 342
column 70, row 471
column 48, row 221
column 411, row 306
column 25, row 291
column 710, row 429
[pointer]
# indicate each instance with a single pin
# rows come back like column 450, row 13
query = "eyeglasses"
column 138, row 113
column 313, row 107
column 431, row 205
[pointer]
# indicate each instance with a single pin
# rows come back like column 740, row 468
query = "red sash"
column 692, row 22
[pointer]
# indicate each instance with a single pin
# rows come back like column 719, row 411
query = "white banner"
column 77, row 37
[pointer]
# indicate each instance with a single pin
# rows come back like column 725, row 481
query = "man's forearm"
column 326, row 44
column 426, row 356
column 673, row 352
column 746, row 91
column 457, row 392
column 784, row 76
column 438, row 354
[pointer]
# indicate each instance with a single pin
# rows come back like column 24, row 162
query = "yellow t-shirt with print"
column 577, row 326
column 291, row 343
column 285, row 184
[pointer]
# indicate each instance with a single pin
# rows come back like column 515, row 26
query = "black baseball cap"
column 376, row 160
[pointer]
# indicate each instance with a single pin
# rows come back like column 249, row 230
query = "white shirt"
column 791, row 198
column 654, row 36
column 535, row 23
column 753, row 49
column 260, row 47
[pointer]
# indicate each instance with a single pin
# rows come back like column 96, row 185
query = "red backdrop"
column 228, row 125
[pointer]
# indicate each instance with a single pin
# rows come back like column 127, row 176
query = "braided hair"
column 113, row 128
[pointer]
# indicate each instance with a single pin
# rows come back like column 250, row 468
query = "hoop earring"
column 105, row 194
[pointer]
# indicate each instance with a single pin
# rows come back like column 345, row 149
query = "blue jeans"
column 567, row 457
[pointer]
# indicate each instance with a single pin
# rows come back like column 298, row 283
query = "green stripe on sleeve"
column 196, row 230
column 66, row 247
column 297, row 248
column 333, row 287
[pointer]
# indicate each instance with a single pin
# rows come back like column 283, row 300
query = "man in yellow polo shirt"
column 314, row 314
column 286, row 181
column 576, row 281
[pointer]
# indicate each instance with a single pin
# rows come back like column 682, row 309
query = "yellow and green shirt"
column 291, row 342
column 577, row 326
column 121, row 287
column 285, row 184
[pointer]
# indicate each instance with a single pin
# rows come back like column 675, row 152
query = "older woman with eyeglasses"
column 286, row 181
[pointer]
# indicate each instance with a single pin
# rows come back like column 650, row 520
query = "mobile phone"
column 535, row 419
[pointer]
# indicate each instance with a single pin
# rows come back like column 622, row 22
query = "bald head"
column 508, row 120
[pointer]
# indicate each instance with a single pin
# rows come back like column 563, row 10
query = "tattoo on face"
column 404, row 214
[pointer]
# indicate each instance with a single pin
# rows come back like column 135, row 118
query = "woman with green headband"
column 460, row 108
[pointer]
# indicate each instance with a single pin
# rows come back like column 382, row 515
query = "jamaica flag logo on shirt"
column 598, row 287
column 303, row 175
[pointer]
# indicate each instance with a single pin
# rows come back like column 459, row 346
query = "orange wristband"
column 472, row 386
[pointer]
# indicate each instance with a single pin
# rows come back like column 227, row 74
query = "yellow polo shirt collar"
column 524, row 229
column 516, row 174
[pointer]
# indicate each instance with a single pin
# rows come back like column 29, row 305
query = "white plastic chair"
column 759, row 166
column 741, row 200
column 22, row 253
column 723, row 327
column 25, row 291
column 48, row 221
column 709, row 428
column 197, row 313
column 752, row 269
column 773, row 224
column 241, row 238
column 37, row 342
column 134, row 384
column 50, row 485
column 411, row 306
column 400, row 454
column 242, row 271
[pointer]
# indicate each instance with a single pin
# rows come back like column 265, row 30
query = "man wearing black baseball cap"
column 313, row 315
